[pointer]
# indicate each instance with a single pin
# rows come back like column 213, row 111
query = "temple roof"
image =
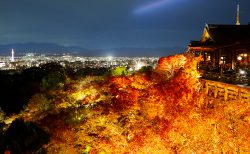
column 221, row 35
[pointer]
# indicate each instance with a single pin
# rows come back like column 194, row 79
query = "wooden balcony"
column 225, row 91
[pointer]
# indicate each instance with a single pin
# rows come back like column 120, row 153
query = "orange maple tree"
column 157, row 112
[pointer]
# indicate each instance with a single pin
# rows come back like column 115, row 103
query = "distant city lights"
column 139, row 65
column 110, row 58
column 35, row 60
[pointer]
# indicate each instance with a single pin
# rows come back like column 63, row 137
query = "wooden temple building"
column 224, row 47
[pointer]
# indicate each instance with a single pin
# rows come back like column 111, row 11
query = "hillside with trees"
column 161, row 110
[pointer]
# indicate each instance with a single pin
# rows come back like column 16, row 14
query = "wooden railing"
column 226, row 78
column 226, row 91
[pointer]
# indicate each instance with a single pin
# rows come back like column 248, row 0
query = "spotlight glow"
column 139, row 65
column 110, row 58
column 151, row 6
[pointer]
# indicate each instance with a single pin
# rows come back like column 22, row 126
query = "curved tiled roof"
column 221, row 35
column 227, row 34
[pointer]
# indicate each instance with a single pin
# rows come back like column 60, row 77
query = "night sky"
column 104, row 24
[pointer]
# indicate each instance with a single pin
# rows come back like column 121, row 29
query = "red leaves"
column 169, row 65
column 139, row 109
column 156, row 96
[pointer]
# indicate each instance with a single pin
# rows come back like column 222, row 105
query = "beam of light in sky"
column 151, row 6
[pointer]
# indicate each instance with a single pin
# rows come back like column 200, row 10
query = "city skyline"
column 102, row 26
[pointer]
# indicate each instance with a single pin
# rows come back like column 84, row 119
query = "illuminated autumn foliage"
column 163, row 111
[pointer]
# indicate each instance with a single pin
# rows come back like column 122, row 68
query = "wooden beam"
column 201, row 49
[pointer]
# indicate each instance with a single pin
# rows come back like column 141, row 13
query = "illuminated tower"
column 12, row 56
column 238, row 15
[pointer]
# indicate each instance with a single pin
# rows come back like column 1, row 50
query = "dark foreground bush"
column 23, row 137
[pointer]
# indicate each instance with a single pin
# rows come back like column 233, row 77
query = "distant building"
column 12, row 56
column 2, row 64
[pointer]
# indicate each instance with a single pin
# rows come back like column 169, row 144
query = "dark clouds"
column 113, row 23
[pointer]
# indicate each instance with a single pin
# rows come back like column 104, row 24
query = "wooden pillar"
column 206, row 88
column 219, row 56
column 215, row 91
column 225, row 94
column 233, row 58
column 216, row 56
column 229, row 56
column 239, row 94
column 204, row 56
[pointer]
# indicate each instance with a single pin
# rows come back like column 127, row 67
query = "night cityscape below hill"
column 76, row 62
